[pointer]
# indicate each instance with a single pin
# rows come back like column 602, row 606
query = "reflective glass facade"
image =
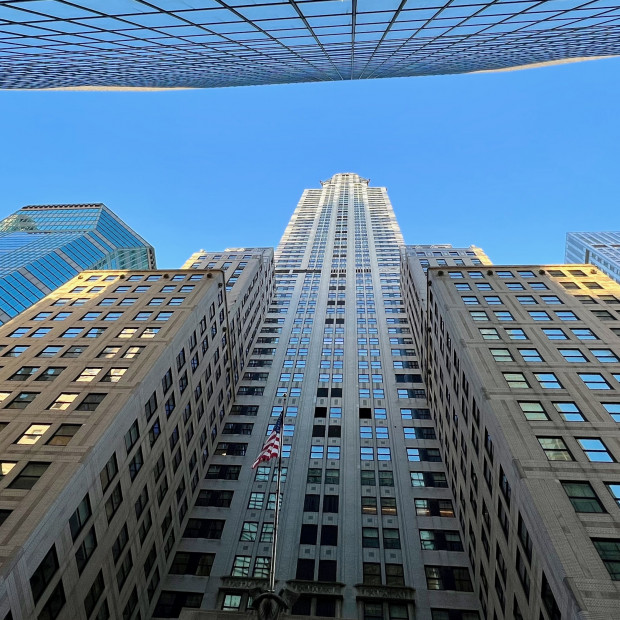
column 41, row 247
column 204, row 43
column 598, row 248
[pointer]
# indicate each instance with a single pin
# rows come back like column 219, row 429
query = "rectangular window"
column 594, row 381
column 569, row 412
column 596, row 450
column 555, row 449
column 548, row 380
column 582, row 497
column 609, row 552
column 533, row 411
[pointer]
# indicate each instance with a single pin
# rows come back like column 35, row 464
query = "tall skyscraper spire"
column 335, row 355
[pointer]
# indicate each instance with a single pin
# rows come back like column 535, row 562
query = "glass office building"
column 598, row 248
column 44, row 246
column 199, row 44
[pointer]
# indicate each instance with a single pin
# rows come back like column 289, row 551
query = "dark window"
column 44, row 574
column 305, row 570
column 311, row 503
column 308, row 534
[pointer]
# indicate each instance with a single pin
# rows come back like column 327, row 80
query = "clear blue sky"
column 507, row 161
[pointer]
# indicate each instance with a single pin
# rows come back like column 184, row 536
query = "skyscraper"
column 598, row 248
column 522, row 366
column 43, row 246
column 203, row 43
column 109, row 389
column 449, row 429
column 369, row 528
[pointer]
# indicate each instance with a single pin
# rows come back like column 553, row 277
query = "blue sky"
column 507, row 161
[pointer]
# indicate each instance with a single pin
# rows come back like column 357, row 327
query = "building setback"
column 523, row 375
column 598, row 248
column 44, row 246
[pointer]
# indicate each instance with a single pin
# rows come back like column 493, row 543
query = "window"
column 50, row 351
column 572, row 355
column 584, row 334
column 533, row 411
column 132, row 436
column 555, row 449
column 539, row 315
column 391, row 538
column 569, row 412
column 113, row 375
column 555, row 334
column 548, row 380
column 492, row 300
column 44, row 574
column 566, row 315
column 478, row 315
column 613, row 409
column 582, row 497
column 595, row 450
column 370, row 537
column 594, row 381
column 502, row 355
column 503, row 315
column 25, row 372
column 64, row 434
column 448, row 578
column 86, row 549
column 614, row 489
column 489, row 333
column 22, row 400
column 132, row 352
column 516, row 380
column 515, row 334
column 531, row 355
column 90, row 402
column 440, row 540
column 88, row 374
column 29, row 475
column 609, row 552
column 108, row 352
column 604, row 355
column 526, row 300
column 108, row 473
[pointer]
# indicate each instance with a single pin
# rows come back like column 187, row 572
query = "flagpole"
column 274, row 542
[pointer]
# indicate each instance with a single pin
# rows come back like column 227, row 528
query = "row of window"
column 555, row 333
column 62, row 401
column 77, row 350
column 550, row 381
column 539, row 315
column 575, row 355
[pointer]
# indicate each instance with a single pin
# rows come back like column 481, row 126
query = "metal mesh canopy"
column 208, row 43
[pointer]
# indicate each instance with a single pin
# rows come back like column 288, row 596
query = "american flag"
column 272, row 445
